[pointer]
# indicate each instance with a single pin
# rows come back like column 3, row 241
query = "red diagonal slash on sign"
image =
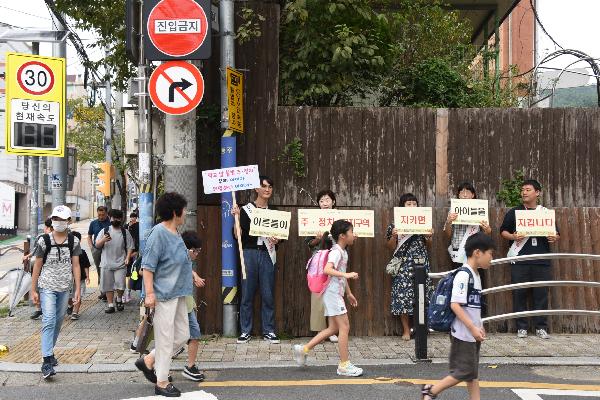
column 179, row 90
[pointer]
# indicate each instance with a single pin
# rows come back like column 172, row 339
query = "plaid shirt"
column 458, row 233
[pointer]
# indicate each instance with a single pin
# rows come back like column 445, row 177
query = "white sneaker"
column 522, row 333
column 350, row 370
column 542, row 334
column 333, row 339
column 300, row 355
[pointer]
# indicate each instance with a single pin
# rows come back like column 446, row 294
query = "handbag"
column 146, row 331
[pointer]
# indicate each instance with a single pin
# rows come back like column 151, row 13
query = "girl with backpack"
column 318, row 321
column 406, row 248
column 333, row 300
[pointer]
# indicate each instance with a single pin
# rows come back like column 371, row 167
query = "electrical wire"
column 23, row 12
column 537, row 18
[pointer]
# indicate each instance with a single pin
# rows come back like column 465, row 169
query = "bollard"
column 420, row 311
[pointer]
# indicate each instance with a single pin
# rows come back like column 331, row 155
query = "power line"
column 537, row 18
column 23, row 12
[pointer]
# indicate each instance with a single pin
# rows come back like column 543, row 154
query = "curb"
column 178, row 366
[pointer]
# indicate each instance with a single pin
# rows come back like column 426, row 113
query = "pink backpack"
column 315, row 275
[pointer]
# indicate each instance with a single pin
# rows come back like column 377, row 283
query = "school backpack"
column 315, row 272
column 440, row 315
column 124, row 233
column 69, row 243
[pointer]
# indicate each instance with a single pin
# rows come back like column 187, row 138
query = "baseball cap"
column 62, row 212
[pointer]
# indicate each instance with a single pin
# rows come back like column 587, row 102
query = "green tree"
column 87, row 133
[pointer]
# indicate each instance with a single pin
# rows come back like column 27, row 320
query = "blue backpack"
column 439, row 315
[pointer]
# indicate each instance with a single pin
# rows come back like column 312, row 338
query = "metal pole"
column 108, row 127
column 117, row 200
column 34, row 168
column 420, row 317
column 229, row 285
column 145, row 198
column 59, row 164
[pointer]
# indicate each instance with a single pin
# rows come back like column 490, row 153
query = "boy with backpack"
column 333, row 298
column 466, row 328
column 117, row 245
column 56, row 267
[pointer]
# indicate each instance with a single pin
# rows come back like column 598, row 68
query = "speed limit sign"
column 35, row 78
column 35, row 105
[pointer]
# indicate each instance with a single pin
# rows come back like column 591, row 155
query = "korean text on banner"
column 314, row 221
column 270, row 223
column 470, row 211
column 413, row 220
column 536, row 222
column 230, row 179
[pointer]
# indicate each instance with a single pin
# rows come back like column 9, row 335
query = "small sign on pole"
column 413, row 220
column 235, row 99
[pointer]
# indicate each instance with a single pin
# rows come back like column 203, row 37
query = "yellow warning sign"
column 235, row 99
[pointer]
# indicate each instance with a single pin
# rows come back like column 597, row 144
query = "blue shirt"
column 96, row 226
column 167, row 257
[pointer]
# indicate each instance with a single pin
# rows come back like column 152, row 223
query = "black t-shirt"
column 134, row 230
column 249, row 242
column 543, row 246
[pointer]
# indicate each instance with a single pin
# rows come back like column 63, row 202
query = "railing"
column 421, row 329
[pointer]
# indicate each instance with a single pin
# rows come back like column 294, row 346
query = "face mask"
column 59, row 226
column 115, row 224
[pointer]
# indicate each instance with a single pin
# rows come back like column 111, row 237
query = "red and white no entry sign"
column 176, row 87
column 35, row 77
column 177, row 27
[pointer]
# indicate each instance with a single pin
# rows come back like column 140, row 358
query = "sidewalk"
column 100, row 342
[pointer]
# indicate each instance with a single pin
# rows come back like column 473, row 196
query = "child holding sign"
column 407, row 248
column 333, row 299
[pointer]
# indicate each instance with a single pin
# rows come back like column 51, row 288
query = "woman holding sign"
column 318, row 321
column 406, row 248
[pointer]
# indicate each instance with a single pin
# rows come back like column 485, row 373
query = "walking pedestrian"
column 260, row 257
column 134, row 230
column 167, row 281
column 333, row 299
column 96, row 226
column 318, row 322
column 56, row 268
column 29, row 258
column 407, row 248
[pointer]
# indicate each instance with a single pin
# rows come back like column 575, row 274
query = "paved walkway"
column 100, row 341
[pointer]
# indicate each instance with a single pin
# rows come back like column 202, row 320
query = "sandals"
column 426, row 393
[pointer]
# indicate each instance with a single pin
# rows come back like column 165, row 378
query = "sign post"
column 176, row 87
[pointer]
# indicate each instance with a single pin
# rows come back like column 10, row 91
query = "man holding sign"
column 260, row 256
column 529, row 271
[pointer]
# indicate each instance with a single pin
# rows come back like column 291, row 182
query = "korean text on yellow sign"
column 235, row 99
column 270, row 223
column 314, row 221
column 536, row 222
column 35, row 105
column 470, row 211
column 413, row 220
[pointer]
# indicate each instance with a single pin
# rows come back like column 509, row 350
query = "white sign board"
column 536, row 222
column 270, row 223
column 470, row 212
column 313, row 221
column 413, row 220
column 230, row 179
column 7, row 206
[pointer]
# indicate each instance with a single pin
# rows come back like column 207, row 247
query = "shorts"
column 81, row 291
column 111, row 280
column 334, row 304
column 194, row 326
column 464, row 359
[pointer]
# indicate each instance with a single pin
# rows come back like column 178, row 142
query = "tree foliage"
column 87, row 133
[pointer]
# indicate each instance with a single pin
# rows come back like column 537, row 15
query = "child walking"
column 333, row 300
column 467, row 330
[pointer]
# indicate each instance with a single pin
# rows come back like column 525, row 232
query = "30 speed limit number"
column 35, row 78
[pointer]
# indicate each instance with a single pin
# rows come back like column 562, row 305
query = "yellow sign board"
column 35, row 105
column 235, row 99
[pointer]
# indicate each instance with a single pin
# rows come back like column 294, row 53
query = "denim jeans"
column 260, row 272
column 54, row 308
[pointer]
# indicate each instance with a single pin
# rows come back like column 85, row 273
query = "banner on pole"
column 230, row 179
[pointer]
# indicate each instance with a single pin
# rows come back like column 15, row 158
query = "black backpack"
column 124, row 233
column 69, row 243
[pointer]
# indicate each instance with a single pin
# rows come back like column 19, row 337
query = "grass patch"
column 3, row 311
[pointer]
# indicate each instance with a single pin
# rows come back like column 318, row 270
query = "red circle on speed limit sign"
column 35, row 78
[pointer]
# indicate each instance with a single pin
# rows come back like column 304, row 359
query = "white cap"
column 62, row 212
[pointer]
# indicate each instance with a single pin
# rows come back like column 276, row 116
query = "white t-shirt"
column 339, row 258
column 471, row 304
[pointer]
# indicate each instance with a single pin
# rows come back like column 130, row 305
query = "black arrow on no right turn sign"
column 184, row 84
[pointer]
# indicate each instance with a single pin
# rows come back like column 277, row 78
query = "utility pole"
column 228, row 159
column 108, row 127
column 59, row 164
column 34, row 178
column 145, row 198
column 120, row 181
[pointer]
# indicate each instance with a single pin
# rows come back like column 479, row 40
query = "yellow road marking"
column 388, row 381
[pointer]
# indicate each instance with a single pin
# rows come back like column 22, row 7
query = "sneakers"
column 542, row 334
column 168, row 391
column 36, row 315
column 109, row 310
column 333, row 339
column 74, row 317
column 120, row 306
column 522, row 333
column 244, row 338
column 48, row 370
column 271, row 337
column 192, row 373
column 300, row 355
column 53, row 361
column 132, row 348
column 349, row 370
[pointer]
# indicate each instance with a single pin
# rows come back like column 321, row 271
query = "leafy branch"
column 293, row 155
column 510, row 194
